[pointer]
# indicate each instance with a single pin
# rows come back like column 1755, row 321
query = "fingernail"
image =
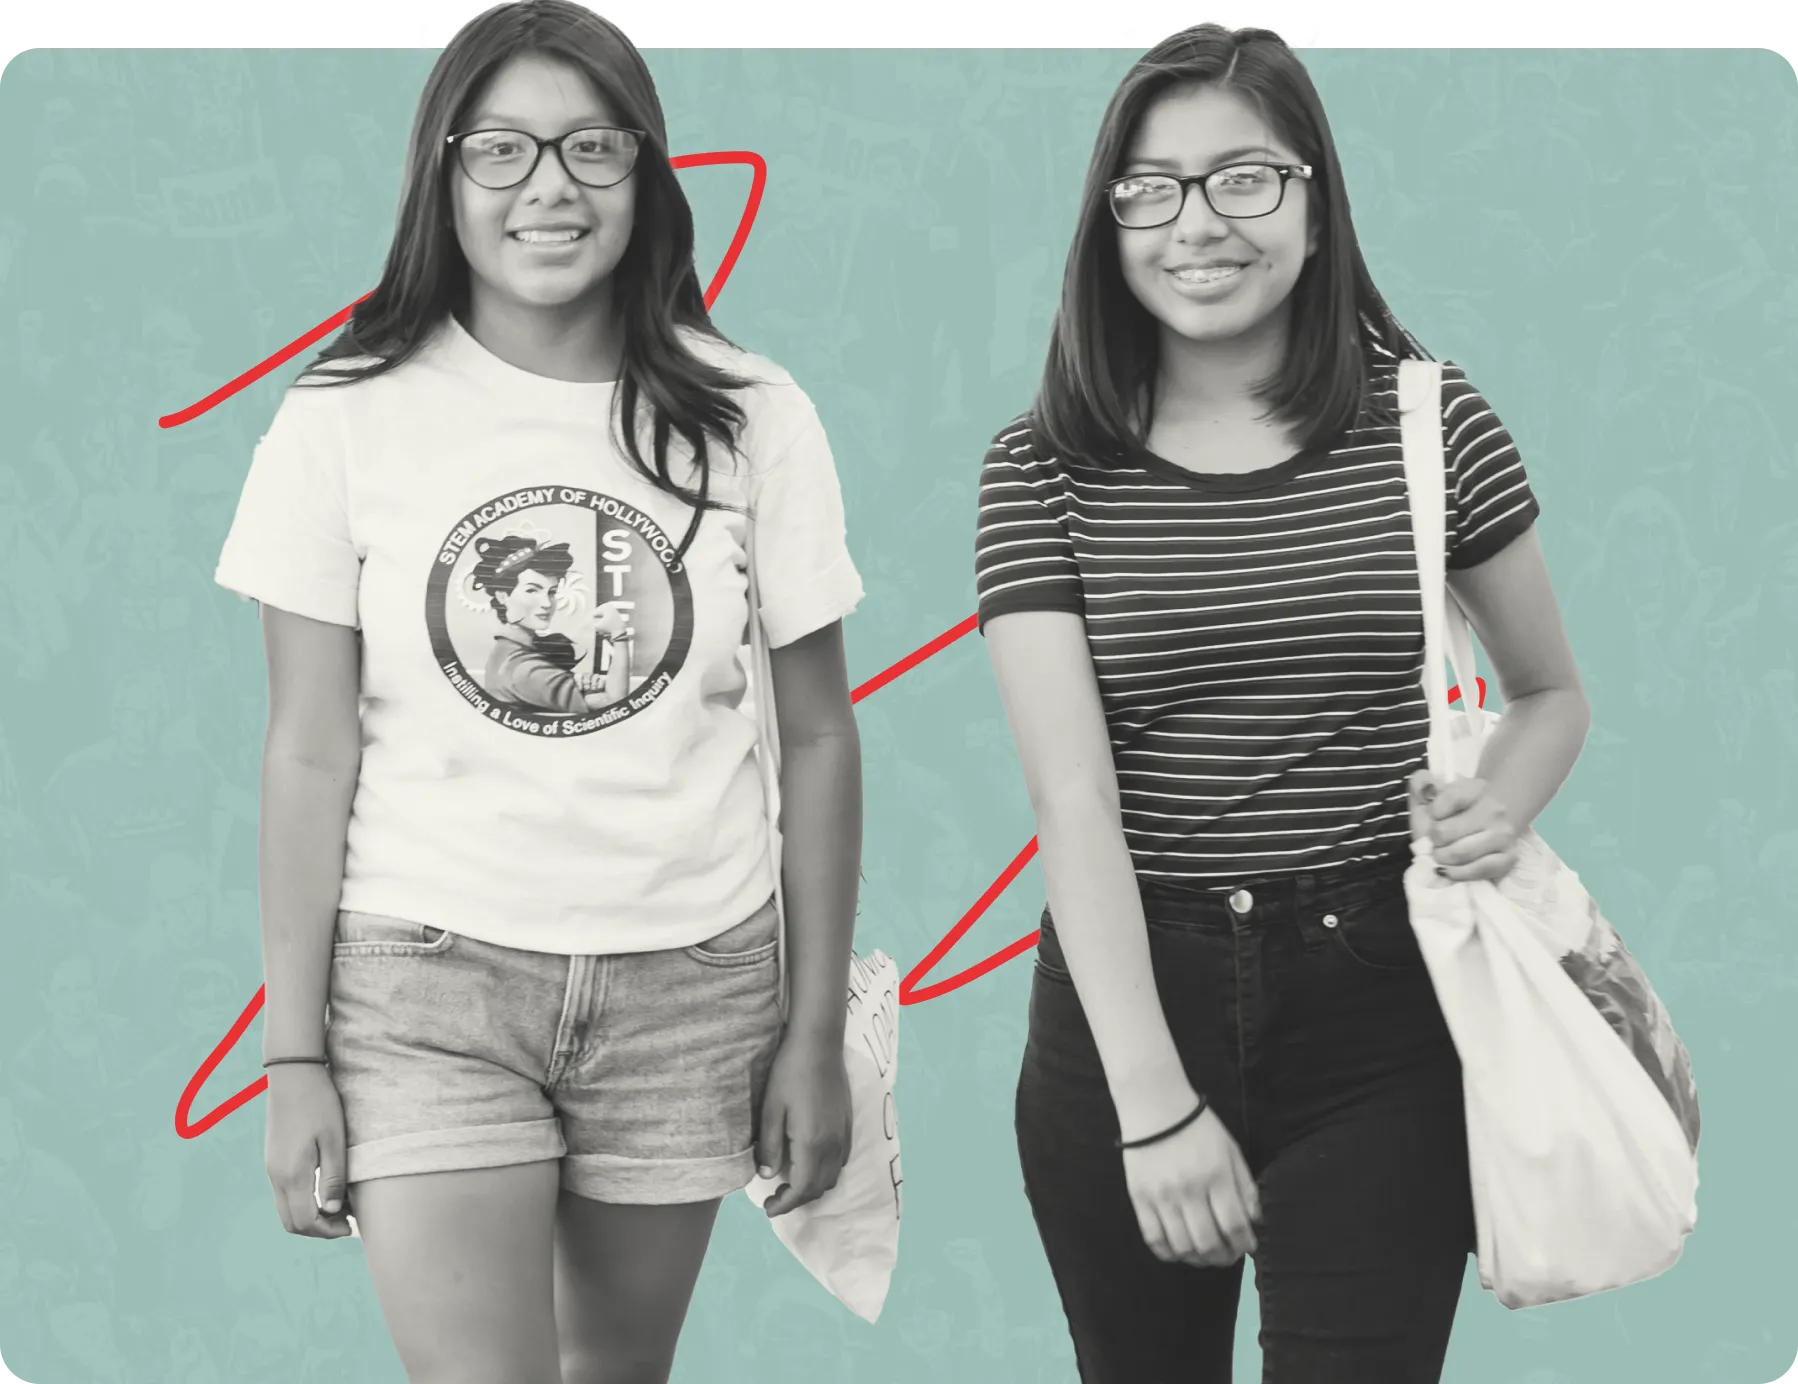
column 764, row 1171
column 333, row 1207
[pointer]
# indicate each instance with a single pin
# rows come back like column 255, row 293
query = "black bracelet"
column 1167, row 1133
column 312, row 1061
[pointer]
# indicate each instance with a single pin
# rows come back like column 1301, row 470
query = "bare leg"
column 462, row 1264
column 624, row 1276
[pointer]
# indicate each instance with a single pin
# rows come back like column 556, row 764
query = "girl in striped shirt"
column 1200, row 596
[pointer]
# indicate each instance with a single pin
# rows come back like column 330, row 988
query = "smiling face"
column 533, row 601
column 550, row 242
column 1208, row 278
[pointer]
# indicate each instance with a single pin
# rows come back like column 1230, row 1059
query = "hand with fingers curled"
column 1195, row 1200
column 1470, row 833
column 305, row 1141
column 807, row 1122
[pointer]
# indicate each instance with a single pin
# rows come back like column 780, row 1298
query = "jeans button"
column 1330, row 920
column 1241, row 901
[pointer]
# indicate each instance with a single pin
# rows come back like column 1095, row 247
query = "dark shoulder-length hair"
column 1096, row 399
column 655, row 290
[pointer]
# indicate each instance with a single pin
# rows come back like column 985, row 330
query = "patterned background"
column 1604, row 240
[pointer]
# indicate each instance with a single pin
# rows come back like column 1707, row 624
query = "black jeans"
column 1302, row 1009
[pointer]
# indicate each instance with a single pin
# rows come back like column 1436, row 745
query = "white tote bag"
column 849, row 1237
column 1582, row 1116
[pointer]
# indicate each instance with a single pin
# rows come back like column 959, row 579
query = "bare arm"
column 806, row 1120
column 1511, row 605
column 1051, row 697
column 821, row 827
column 309, row 765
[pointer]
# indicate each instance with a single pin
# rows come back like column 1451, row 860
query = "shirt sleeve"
column 290, row 545
column 1023, row 557
column 1490, row 500
column 803, row 570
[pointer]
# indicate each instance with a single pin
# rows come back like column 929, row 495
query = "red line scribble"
column 249, row 1093
column 913, row 659
column 759, row 181
column 256, row 372
column 908, row 991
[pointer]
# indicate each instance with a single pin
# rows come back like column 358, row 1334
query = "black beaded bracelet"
column 311, row 1061
column 1167, row 1133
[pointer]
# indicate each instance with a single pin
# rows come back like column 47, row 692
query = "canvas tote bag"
column 1582, row 1115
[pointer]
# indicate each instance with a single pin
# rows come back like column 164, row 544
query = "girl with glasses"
column 1200, row 596
column 522, row 1015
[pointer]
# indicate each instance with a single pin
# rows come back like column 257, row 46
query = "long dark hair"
column 655, row 291
column 1097, row 392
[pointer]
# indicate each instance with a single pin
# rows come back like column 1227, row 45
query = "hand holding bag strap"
column 767, row 750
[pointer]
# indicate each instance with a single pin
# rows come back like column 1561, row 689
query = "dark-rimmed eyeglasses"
column 597, row 156
column 1142, row 201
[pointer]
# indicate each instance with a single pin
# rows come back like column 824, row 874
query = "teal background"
column 1605, row 240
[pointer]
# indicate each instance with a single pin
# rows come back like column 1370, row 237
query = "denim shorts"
column 642, row 1073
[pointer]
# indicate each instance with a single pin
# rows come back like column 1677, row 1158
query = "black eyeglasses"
column 598, row 156
column 1142, row 201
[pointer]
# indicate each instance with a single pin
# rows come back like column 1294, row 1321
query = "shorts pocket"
column 754, row 940
column 1375, row 933
column 371, row 934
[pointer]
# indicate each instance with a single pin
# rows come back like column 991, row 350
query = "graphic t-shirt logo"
column 556, row 611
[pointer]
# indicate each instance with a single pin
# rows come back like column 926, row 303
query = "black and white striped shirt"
column 1258, row 638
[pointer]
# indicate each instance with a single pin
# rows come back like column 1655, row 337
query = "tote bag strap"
column 767, row 748
column 1445, row 630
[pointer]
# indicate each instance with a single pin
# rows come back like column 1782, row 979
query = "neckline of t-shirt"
column 1262, row 478
column 464, row 351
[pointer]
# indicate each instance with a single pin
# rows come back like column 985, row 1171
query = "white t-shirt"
column 468, row 517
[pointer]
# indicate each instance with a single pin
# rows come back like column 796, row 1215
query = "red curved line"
column 758, row 165
column 909, row 993
column 193, row 1129
column 256, row 372
column 914, row 658
column 1454, row 693
column 759, row 168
